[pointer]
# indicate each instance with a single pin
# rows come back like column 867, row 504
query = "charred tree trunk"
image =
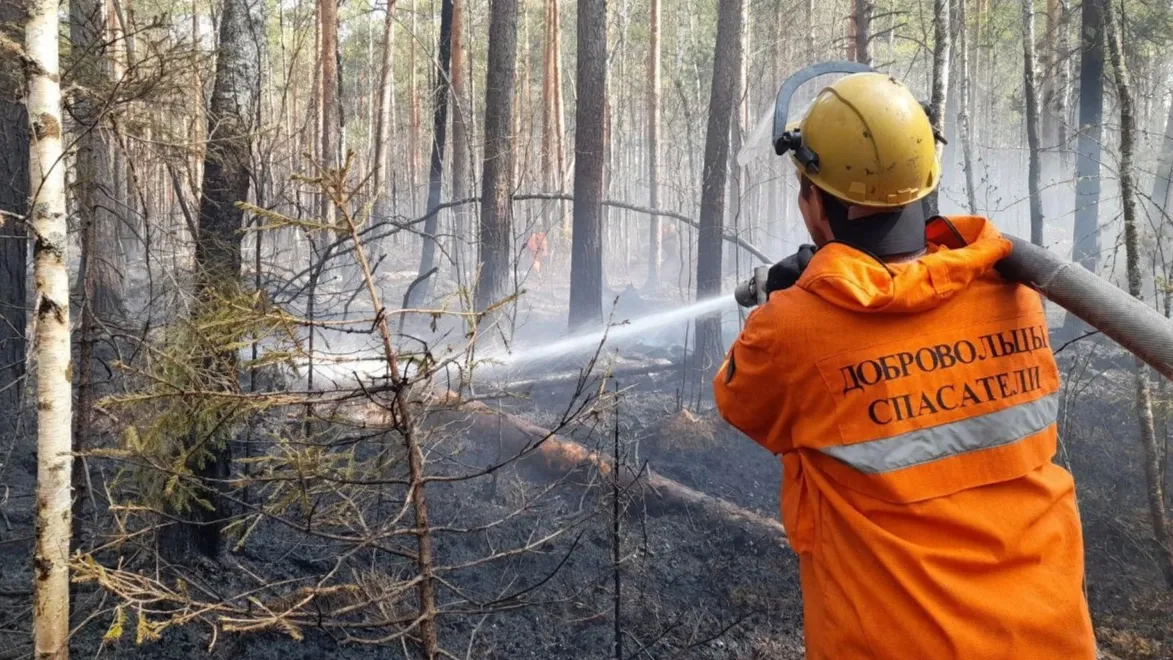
column 861, row 19
column 590, row 148
column 14, row 197
column 1144, row 405
column 1086, row 240
column 1030, row 91
column 963, row 103
column 709, row 344
column 496, row 233
column 655, row 232
column 49, row 222
column 101, row 279
column 436, row 169
column 231, row 116
column 940, row 93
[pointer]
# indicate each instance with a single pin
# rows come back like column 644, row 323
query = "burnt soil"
column 691, row 588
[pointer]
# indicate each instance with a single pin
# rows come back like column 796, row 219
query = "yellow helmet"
column 867, row 140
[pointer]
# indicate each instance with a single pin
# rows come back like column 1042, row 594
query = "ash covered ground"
column 691, row 587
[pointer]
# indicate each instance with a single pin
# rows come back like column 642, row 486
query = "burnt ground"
column 691, row 588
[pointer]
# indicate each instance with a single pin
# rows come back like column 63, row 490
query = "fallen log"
column 573, row 377
column 557, row 456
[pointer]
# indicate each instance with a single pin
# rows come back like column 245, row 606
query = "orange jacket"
column 914, row 408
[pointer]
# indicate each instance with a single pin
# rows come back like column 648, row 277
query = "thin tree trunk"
column 1161, row 182
column 939, row 98
column 380, row 175
column 436, row 170
column 963, row 102
column 496, row 233
column 1063, row 78
column 559, row 110
column 14, row 197
column 861, row 19
column 655, row 231
column 811, row 44
column 549, row 135
column 1144, row 405
column 461, row 110
column 54, row 398
column 1048, row 128
column 331, row 108
column 1086, row 241
column 231, row 117
column 413, row 140
column 709, row 344
column 1085, row 248
column 737, row 187
column 590, row 148
column 1030, row 91
column 100, row 285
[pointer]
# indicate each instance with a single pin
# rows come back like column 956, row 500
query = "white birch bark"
column 54, row 403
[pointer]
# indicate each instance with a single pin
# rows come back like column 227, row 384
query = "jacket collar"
column 960, row 250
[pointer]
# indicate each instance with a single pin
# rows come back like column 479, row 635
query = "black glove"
column 785, row 273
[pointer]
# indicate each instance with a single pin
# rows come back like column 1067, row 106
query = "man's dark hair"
column 885, row 233
column 834, row 207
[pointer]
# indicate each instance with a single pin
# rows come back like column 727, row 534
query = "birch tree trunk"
column 14, row 197
column 1144, row 404
column 331, row 111
column 496, row 232
column 963, row 103
column 54, row 397
column 655, row 233
column 436, row 169
column 939, row 97
column 590, row 148
column 709, row 345
column 1030, row 91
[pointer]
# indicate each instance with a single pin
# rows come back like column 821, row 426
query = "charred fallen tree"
column 543, row 453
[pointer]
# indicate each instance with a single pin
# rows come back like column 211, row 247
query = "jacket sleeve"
column 749, row 387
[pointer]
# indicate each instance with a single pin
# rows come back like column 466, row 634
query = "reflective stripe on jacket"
column 914, row 407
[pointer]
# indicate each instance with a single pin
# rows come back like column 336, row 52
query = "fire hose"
column 1129, row 322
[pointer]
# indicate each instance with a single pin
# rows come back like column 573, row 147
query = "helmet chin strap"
column 893, row 233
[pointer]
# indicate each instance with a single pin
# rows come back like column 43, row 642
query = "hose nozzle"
column 752, row 292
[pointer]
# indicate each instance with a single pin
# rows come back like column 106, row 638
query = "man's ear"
column 815, row 201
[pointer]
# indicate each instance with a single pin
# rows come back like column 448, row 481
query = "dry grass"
column 685, row 431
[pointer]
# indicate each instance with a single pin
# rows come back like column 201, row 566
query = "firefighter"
column 911, row 393
column 537, row 247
